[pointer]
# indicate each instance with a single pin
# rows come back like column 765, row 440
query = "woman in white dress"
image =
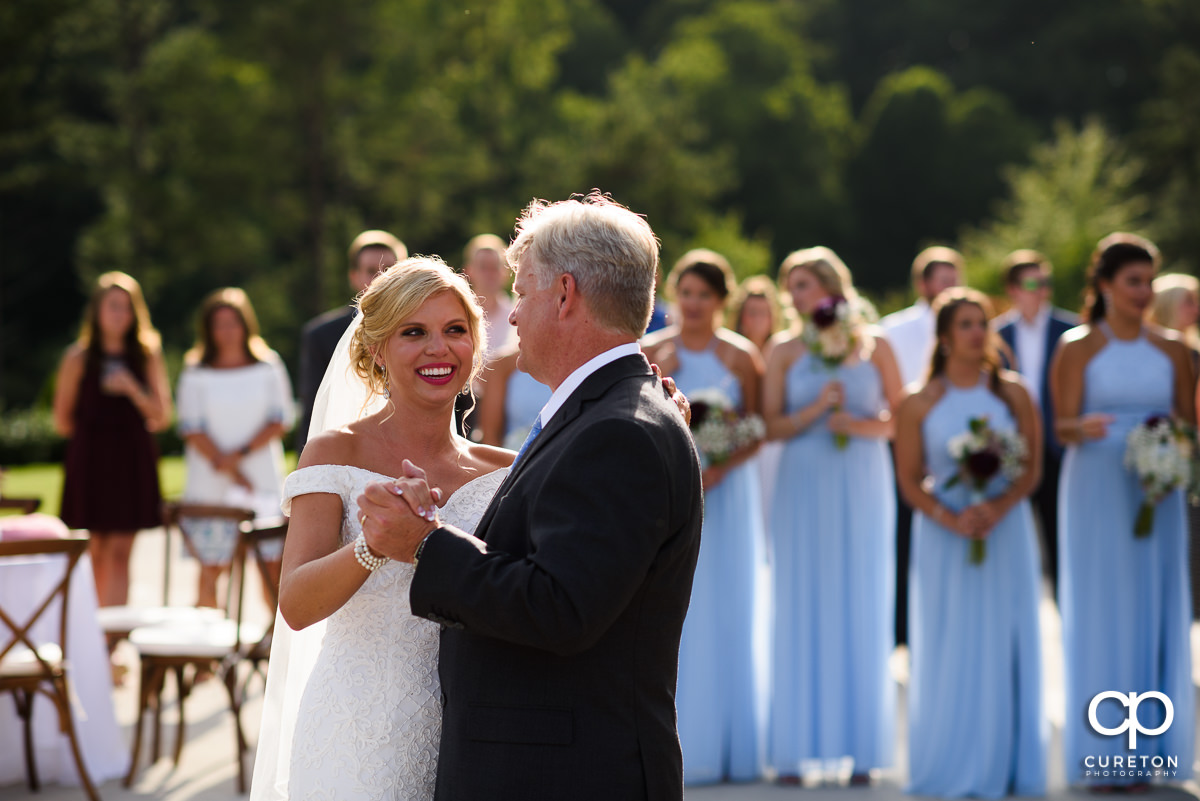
column 235, row 403
column 353, row 705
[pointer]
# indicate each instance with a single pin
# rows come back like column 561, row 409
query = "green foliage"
column 206, row 143
column 748, row 256
column 1169, row 137
column 927, row 164
column 28, row 435
column 1079, row 187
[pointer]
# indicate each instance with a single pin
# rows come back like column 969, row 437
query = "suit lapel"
column 594, row 386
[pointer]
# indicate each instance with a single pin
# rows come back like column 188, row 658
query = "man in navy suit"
column 370, row 253
column 1031, row 329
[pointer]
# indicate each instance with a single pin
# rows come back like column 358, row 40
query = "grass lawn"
column 45, row 480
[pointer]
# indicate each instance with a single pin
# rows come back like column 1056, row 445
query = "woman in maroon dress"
column 111, row 393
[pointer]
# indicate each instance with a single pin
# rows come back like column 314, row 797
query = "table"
column 25, row 581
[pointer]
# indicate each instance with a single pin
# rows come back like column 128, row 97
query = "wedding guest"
column 719, row 695
column 111, row 394
column 1176, row 306
column 1031, row 330
column 235, row 405
column 660, row 313
column 370, row 253
column 976, row 725
column 510, row 405
column 756, row 314
column 1126, row 616
column 910, row 332
column 832, row 518
column 486, row 268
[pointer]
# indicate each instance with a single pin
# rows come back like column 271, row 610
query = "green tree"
column 928, row 163
column 1169, row 138
column 1078, row 188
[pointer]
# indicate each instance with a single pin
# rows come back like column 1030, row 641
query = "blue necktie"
column 533, row 432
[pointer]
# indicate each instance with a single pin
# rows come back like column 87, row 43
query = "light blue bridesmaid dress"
column 976, row 723
column 719, row 696
column 833, row 560
column 1126, row 604
column 524, row 398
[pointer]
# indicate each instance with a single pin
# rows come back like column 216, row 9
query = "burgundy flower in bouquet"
column 982, row 453
column 830, row 338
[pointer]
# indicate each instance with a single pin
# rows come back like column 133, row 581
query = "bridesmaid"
column 832, row 517
column 976, row 726
column 511, row 403
column 756, row 316
column 1125, row 601
column 719, row 694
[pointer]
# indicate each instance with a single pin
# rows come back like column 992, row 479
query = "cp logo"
column 1131, row 724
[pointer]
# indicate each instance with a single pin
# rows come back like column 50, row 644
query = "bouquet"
column 1159, row 451
column 718, row 430
column 982, row 453
column 830, row 337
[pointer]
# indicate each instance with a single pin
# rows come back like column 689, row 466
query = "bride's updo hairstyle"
column 395, row 296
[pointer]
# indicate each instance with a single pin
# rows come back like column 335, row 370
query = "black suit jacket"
column 559, row 660
column 1060, row 322
column 318, row 338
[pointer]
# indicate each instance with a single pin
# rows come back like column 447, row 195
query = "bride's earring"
column 387, row 389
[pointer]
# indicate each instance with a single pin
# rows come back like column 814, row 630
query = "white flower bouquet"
column 1161, row 453
column 718, row 430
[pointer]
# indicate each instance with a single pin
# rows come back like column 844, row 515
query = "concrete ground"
column 207, row 771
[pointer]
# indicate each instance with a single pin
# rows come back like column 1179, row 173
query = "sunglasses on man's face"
column 1033, row 284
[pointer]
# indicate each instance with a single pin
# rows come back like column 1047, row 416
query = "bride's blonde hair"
column 396, row 295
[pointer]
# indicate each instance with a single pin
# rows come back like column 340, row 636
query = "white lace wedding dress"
column 357, row 715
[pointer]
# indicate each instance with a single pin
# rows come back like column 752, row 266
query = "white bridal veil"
column 342, row 399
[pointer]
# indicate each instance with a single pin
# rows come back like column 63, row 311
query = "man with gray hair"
column 563, row 613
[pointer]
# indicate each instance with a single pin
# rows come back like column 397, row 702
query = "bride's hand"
column 674, row 395
column 397, row 515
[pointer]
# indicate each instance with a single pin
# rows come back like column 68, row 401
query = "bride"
column 352, row 708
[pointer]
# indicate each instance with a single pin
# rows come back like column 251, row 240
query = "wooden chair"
column 28, row 668
column 254, row 654
column 118, row 621
column 24, row 506
column 221, row 646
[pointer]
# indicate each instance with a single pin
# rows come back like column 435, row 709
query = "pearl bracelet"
column 362, row 554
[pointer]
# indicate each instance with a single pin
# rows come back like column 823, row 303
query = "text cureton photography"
column 1132, row 765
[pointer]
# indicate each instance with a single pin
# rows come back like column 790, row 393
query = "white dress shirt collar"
column 580, row 374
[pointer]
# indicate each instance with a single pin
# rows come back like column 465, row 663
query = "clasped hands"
column 397, row 515
column 977, row 520
column 833, row 395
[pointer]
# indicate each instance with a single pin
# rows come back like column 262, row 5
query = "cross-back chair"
column 29, row 668
column 25, row 506
column 221, row 646
column 118, row 621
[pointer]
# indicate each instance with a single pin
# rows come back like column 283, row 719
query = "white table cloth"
column 24, row 582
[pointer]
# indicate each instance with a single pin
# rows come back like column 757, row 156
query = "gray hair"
column 610, row 251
